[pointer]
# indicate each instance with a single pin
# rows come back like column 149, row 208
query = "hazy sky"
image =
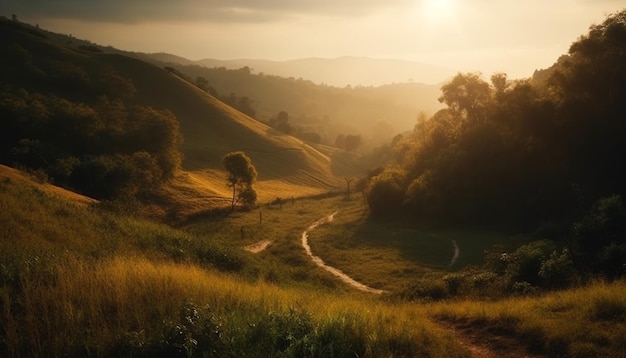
column 515, row 37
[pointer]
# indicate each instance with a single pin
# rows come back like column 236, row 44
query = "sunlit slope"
column 211, row 129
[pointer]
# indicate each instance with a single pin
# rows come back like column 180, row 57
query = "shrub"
column 558, row 270
column 526, row 261
column 426, row 289
column 597, row 236
column 385, row 193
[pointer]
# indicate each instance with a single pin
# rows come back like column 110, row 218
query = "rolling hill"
column 209, row 127
column 320, row 108
column 342, row 71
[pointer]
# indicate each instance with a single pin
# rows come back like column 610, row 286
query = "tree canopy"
column 76, row 120
column 516, row 154
column 241, row 177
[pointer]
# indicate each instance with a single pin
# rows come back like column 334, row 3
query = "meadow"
column 80, row 279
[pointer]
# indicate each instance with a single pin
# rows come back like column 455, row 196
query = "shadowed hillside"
column 83, row 74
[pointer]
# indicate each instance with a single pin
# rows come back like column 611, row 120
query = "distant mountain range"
column 342, row 71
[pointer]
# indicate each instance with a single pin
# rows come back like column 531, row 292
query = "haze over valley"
column 362, row 178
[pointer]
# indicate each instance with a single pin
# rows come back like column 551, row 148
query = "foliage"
column 558, row 270
column 241, row 177
column 526, row 262
column 79, row 120
column 281, row 122
column 516, row 154
column 598, row 238
column 385, row 192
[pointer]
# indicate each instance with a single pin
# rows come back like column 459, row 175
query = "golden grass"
column 96, row 303
column 583, row 322
column 76, row 278
column 192, row 192
column 18, row 176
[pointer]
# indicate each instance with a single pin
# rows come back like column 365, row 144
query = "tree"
column 352, row 142
column 281, row 122
column 241, row 176
column 340, row 141
column 466, row 96
column 202, row 83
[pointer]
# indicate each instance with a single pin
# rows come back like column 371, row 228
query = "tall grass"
column 80, row 281
column 583, row 322
column 145, row 308
column 37, row 225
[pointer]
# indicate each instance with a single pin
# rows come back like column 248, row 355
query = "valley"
column 148, row 213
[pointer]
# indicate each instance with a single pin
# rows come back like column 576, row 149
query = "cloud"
column 133, row 11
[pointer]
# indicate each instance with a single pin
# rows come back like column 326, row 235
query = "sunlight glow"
column 438, row 11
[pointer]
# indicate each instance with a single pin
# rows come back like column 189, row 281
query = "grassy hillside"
column 324, row 109
column 209, row 127
column 78, row 280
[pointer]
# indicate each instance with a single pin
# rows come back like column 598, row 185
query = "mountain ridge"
column 342, row 71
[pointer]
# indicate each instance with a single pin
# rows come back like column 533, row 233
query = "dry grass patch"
column 583, row 322
column 132, row 306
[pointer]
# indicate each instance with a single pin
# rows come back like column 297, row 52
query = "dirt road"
column 319, row 262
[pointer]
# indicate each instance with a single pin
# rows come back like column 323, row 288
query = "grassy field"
column 390, row 256
column 582, row 322
column 77, row 279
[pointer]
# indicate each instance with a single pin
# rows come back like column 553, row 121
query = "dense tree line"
column 75, row 120
column 521, row 154
column 103, row 150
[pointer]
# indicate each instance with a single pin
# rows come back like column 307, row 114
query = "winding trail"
column 258, row 247
column 319, row 262
column 457, row 251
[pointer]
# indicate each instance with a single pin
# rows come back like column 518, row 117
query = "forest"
column 538, row 155
column 78, row 125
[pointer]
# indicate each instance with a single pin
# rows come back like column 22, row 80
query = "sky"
column 515, row 37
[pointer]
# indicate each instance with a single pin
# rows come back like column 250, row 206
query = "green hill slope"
column 38, row 61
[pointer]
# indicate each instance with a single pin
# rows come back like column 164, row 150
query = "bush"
column 598, row 236
column 385, row 192
column 558, row 270
column 526, row 261
column 426, row 289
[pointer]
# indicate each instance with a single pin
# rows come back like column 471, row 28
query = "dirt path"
column 258, row 246
column 457, row 252
column 319, row 262
column 479, row 341
column 483, row 343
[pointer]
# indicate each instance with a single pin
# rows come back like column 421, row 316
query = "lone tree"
column 241, row 176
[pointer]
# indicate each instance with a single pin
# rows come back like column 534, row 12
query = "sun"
column 438, row 11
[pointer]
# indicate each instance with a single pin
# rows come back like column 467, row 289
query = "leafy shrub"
column 197, row 332
column 426, row 289
column 524, row 288
column 558, row 270
column 288, row 333
column 385, row 192
column 526, row 261
column 194, row 332
column 598, row 235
